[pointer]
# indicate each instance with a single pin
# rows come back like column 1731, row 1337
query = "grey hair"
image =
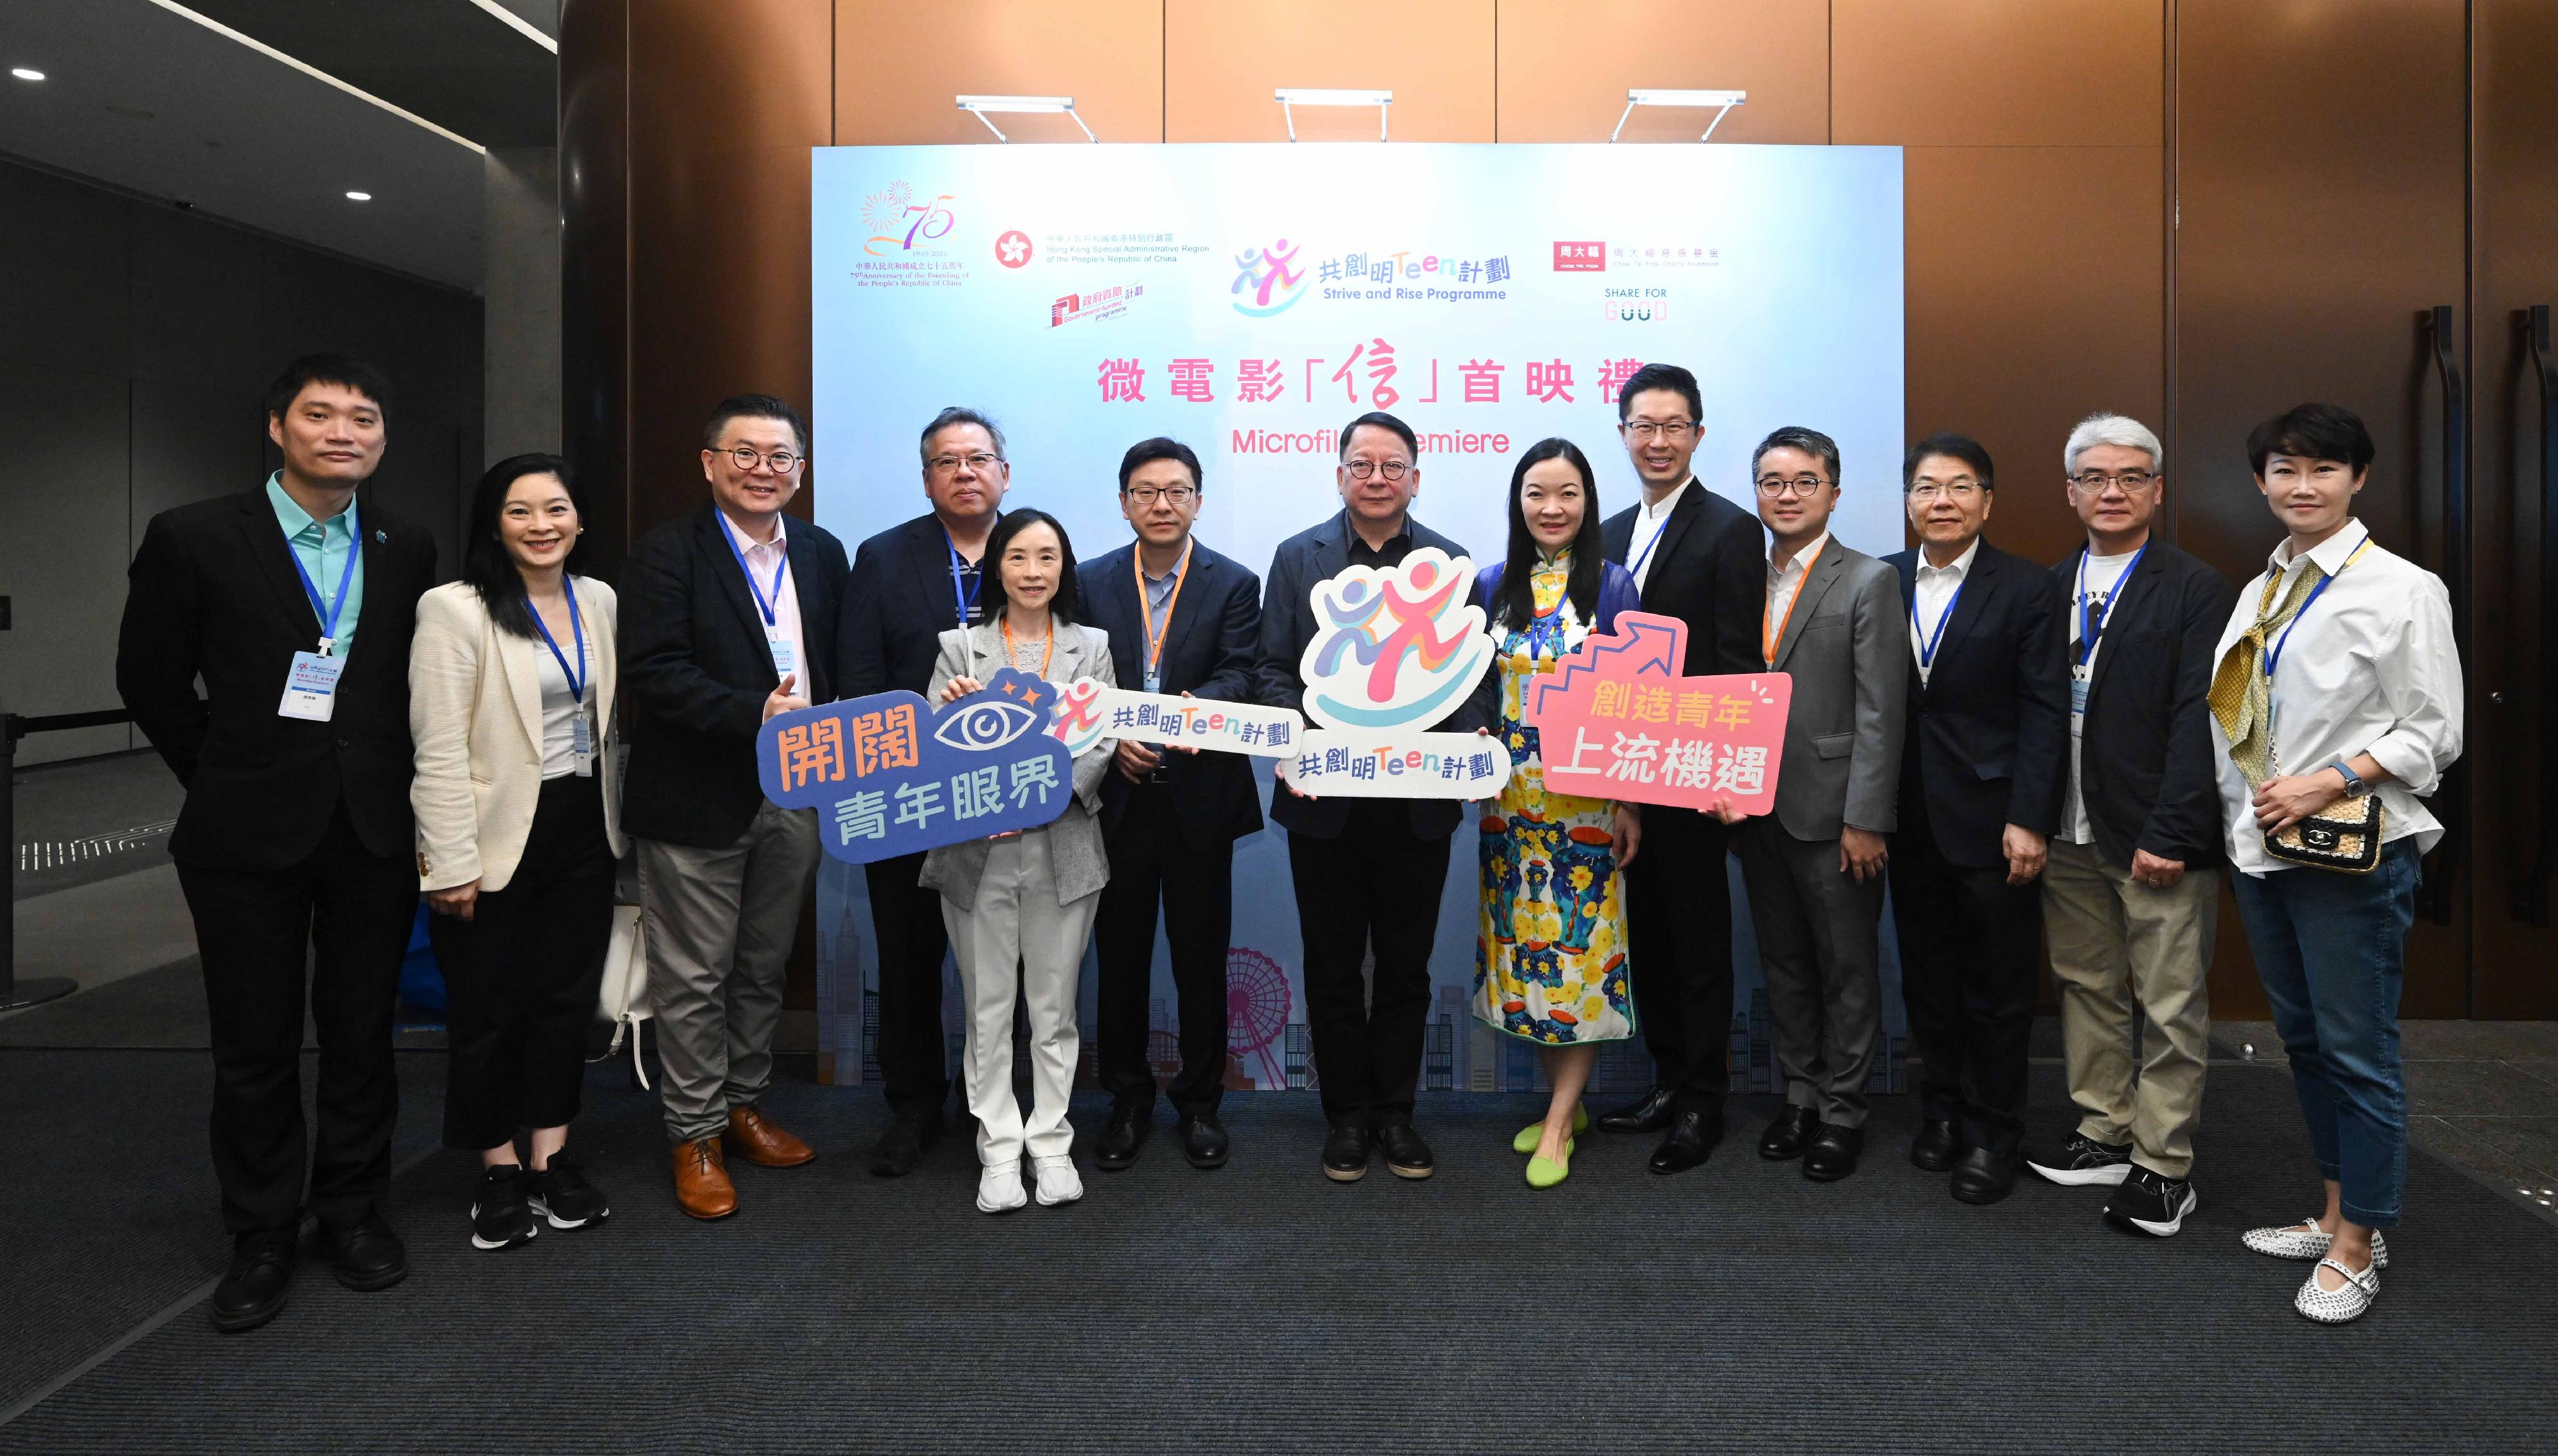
column 2101, row 428
column 959, row 414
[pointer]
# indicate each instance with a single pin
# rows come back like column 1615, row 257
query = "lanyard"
column 770, row 606
column 2091, row 625
column 2275, row 652
column 1927, row 644
column 328, row 611
column 1047, row 655
column 1154, row 638
column 966, row 596
column 577, row 626
column 1636, row 568
column 1767, row 640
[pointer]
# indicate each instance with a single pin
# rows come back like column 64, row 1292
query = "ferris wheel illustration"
column 1256, row 1009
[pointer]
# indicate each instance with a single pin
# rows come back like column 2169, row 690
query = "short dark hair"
column 958, row 414
column 1065, row 606
column 1384, row 421
column 1945, row 442
column 1795, row 437
column 1147, row 452
column 1662, row 377
column 2313, row 432
column 752, row 407
column 327, row 368
column 485, row 563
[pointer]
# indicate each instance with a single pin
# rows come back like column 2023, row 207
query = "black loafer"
column 1934, row 1147
column 1655, row 1112
column 253, row 1287
column 366, row 1255
column 1117, row 1147
column 1692, row 1136
column 1785, row 1137
column 1345, row 1154
column 900, row 1148
column 1405, row 1152
column 1982, row 1176
column 1832, row 1152
column 1202, row 1140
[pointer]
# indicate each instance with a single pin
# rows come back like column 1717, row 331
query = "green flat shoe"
column 1545, row 1173
column 1534, row 1132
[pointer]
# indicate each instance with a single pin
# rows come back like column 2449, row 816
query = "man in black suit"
column 1981, row 774
column 2132, row 894
column 1368, row 872
column 295, row 605
column 910, row 583
column 1182, row 620
column 1696, row 557
column 728, row 617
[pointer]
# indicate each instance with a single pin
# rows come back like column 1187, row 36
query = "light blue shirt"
column 322, row 547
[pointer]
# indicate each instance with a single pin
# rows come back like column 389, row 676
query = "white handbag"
column 623, row 998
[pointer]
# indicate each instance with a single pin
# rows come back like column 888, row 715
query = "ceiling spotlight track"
column 316, row 74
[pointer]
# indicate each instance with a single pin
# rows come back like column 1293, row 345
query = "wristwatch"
column 2355, row 787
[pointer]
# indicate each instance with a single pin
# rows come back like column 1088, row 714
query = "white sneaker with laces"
column 2343, row 1303
column 999, row 1188
column 2303, row 1240
column 1059, row 1183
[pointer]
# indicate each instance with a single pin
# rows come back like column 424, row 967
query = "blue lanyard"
column 1637, row 567
column 2275, row 652
column 577, row 626
column 328, row 611
column 966, row 596
column 1928, row 644
column 2092, row 626
column 769, row 607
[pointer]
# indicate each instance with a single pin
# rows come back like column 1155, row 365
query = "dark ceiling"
column 448, row 61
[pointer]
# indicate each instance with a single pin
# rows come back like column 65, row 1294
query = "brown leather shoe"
column 761, row 1141
column 702, row 1188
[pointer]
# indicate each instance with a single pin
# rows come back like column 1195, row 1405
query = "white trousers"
column 1017, row 921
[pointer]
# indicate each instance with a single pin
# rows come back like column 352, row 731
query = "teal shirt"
column 322, row 547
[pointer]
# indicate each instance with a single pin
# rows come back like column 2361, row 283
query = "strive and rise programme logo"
column 1269, row 281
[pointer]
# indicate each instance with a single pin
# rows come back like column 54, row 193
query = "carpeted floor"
column 1736, row 1308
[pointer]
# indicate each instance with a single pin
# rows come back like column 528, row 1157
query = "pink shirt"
column 763, row 559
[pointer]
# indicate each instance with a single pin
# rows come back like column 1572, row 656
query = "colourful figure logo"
column 897, row 219
column 1267, row 276
column 1395, row 647
column 1076, row 717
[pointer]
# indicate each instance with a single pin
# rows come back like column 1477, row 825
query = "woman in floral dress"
column 1550, row 953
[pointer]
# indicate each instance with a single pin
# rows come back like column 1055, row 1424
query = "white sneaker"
column 999, row 1188
column 1057, row 1180
column 2343, row 1303
column 2303, row 1240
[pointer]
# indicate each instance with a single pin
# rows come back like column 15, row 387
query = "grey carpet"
column 162, row 1009
column 1263, row 1309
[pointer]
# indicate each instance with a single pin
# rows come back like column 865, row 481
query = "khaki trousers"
column 2121, row 950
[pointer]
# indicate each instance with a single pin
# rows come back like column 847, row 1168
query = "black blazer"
column 2146, row 766
column 695, row 673
column 214, row 592
column 1710, row 571
column 1207, row 651
column 1287, row 625
column 1989, row 735
column 896, row 606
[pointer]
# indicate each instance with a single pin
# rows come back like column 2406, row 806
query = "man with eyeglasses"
column 1980, row 795
column 728, row 617
column 1696, row 557
column 1367, row 871
column 1185, row 620
column 910, row 584
column 2131, row 896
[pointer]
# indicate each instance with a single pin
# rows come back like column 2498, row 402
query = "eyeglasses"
column 781, row 460
column 1670, row 430
column 1148, row 495
column 1775, row 487
column 981, row 462
column 1363, row 469
column 1962, row 490
column 2097, row 483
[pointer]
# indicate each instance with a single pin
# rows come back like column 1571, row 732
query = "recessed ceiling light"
column 360, row 197
column 24, row 73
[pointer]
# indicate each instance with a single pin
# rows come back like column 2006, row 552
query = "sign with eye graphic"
column 892, row 775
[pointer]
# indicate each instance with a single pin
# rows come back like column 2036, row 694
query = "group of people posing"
column 2029, row 757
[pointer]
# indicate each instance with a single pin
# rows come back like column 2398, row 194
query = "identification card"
column 311, row 689
column 784, row 661
column 581, row 745
column 1154, row 682
column 2080, row 677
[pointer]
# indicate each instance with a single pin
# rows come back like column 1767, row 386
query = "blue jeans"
column 2330, row 949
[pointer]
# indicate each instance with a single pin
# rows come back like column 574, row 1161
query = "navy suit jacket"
column 1208, row 652
column 896, row 607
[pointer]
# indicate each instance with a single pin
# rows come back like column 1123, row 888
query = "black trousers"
column 1376, row 885
column 1972, row 948
column 1151, row 865
column 1678, row 908
column 906, row 918
column 342, row 917
column 521, row 975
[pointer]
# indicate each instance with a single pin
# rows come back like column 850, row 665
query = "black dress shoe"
column 1982, row 1176
column 1655, row 1112
column 900, row 1148
column 1202, row 1140
column 1345, row 1154
column 1117, row 1147
column 1692, row 1136
column 366, row 1255
column 1785, row 1138
column 253, row 1287
column 1832, row 1154
column 1405, row 1152
column 1934, row 1147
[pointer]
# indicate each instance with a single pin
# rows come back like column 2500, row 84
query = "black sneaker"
column 2151, row 1203
column 2082, row 1162
column 563, row 1195
column 501, row 1216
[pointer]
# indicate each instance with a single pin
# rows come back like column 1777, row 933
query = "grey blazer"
column 1847, row 649
column 1074, row 847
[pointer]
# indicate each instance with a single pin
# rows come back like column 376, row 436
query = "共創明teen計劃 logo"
column 897, row 218
column 1269, row 281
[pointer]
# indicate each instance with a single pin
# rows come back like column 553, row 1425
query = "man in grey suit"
column 1834, row 623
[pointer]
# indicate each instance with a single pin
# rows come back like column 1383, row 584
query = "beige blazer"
column 475, row 710
column 1076, row 856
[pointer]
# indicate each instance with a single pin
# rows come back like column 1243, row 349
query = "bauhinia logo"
column 1269, row 282
column 896, row 218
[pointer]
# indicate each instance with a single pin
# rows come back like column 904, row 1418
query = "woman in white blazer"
column 511, row 703
column 1025, row 899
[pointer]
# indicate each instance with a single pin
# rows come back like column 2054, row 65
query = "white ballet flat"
column 2303, row 1240
column 2345, row 1302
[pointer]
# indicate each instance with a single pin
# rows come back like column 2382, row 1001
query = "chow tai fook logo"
column 899, row 218
column 1581, row 257
column 1269, row 281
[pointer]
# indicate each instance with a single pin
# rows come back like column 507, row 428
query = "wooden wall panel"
column 1564, row 67
column 1222, row 59
column 1998, row 73
column 1108, row 54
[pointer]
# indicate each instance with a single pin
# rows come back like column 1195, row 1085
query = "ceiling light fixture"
column 360, row 197
column 316, row 74
column 24, row 73
column 1292, row 97
column 978, row 106
column 531, row 32
column 1721, row 102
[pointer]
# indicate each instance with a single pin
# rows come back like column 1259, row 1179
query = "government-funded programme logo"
column 1106, row 303
column 895, row 216
column 1581, row 257
column 1269, row 281
column 1012, row 250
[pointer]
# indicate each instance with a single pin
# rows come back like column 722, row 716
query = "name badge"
column 786, row 660
column 2080, row 677
column 1154, row 682
column 311, row 689
column 581, row 745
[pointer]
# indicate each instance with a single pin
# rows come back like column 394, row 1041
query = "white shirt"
column 2370, row 667
column 1650, row 521
column 1934, row 593
column 2102, row 574
column 762, row 559
column 1782, row 583
column 560, row 706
